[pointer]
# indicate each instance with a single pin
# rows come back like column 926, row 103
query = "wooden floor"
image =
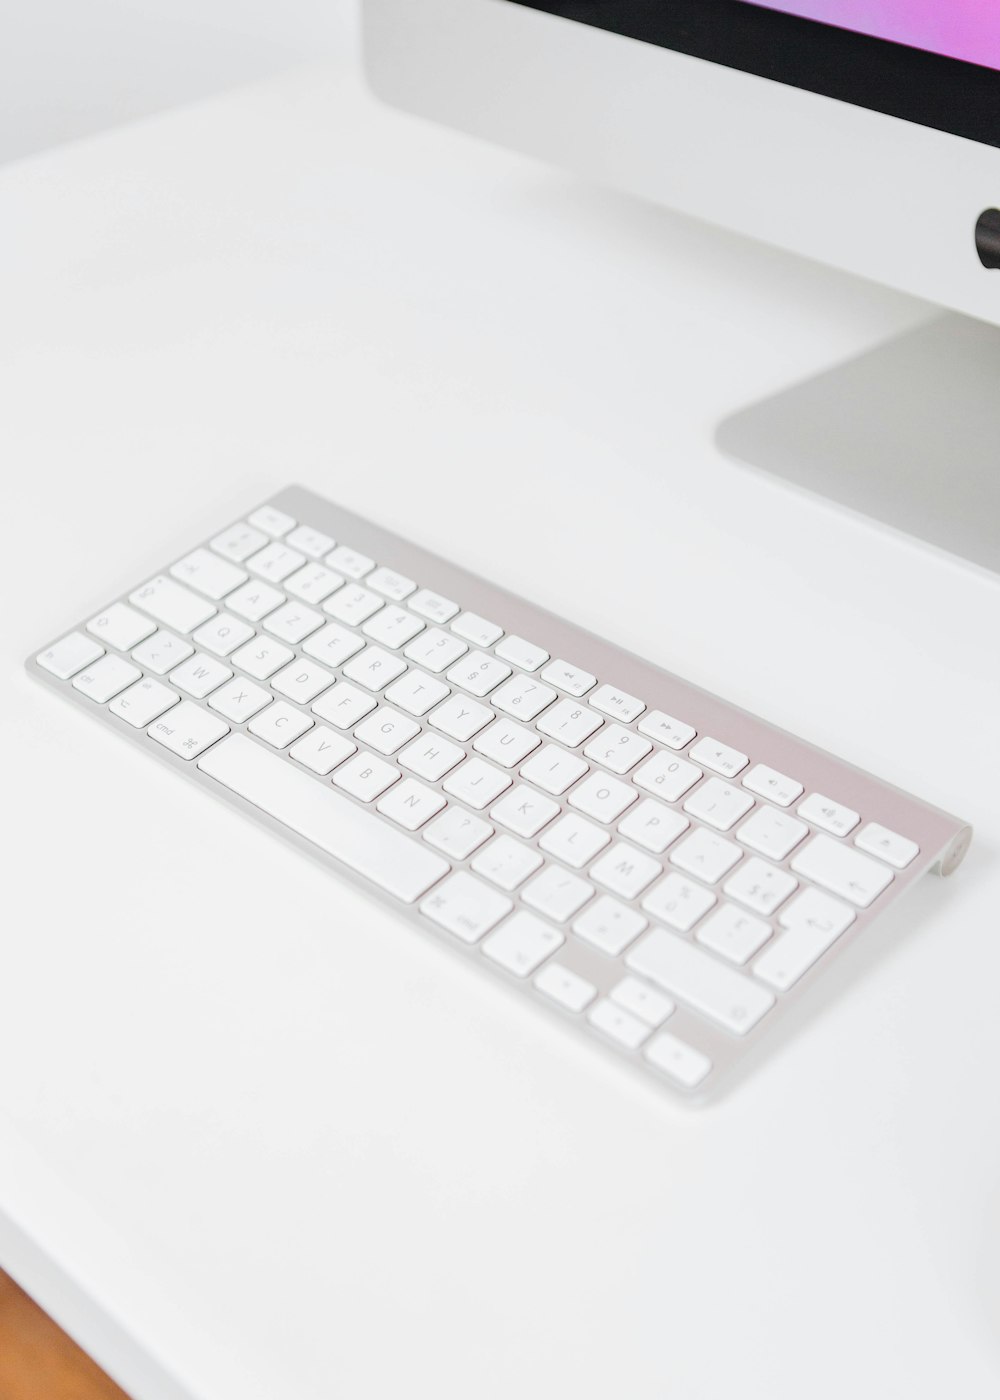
column 38, row 1361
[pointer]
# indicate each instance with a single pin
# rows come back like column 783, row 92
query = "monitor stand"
column 908, row 433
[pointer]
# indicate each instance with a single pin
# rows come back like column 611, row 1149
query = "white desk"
column 217, row 1166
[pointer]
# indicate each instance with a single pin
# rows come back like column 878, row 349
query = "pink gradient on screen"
column 967, row 29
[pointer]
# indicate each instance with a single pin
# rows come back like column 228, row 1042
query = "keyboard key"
column 166, row 600
column 366, row 777
column 239, row 542
column 476, row 783
column 642, row 1001
column 392, row 626
column 718, row 804
column 254, row 600
column 506, row 862
column 719, row 757
column 602, row 798
column 553, row 769
column 569, row 678
column 574, row 840
column 523, row 697
column 460, row 717
column 275, row 562
column 524, row 811
column 734, row 933
column 760, row 886
column 690, row 975
column 199, row 675
column 521, row 653
column 617, row 748
column 273, row 522
column 523, row 943
column 706, row 855
column 666, row 730
column 374, row 668
column 887, row 845
column 653, row 826
column 618, row 1024
column 506, row 742
column 302, row 681
column 332, row 644
column 556, row 893
column 350, row 562
column 416, row 692
column 435, row 650
column 143, row 702
column 187, row 730
column 279, row 725
column 616, row 703
column 831, row 816
column 410, row 804
column 678, row 902
column 767, row 782
column 70, row 655
column 667, row 777
column 222, row 634
column 205, row 571
column 313, row 583
column 344, row 705
column 432, row 606
column 772, row 833
column 361, row 840
column 477, row 630
column 390, row 584
column 812, row 922
column 841, row 870
column 431, row 757
column 466, row 907
column 321, row 750
column 292, row 622
column 353, row 604
column 608, row 925
column 570, row 723
column 160, row 652
column 565, row 987
column 625, row 871
column 313, row 543
column 261, row 657
column 122, row 628
column 681, row 1063
column 238, row 699
column 478, row 673
column 457, row 833
column 386, row 730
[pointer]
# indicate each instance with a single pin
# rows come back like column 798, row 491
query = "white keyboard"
column 659, row 868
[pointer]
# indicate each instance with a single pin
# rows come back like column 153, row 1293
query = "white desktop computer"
column 864, row 136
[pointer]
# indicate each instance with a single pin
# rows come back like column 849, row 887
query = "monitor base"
column 908, row 434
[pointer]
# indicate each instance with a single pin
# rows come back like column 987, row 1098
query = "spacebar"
column 364, row 842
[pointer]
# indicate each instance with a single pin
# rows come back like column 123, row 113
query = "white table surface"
column 256, row 1139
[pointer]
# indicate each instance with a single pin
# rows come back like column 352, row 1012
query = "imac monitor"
column 865, row 135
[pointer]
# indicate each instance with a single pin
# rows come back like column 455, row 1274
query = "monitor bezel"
column 945, row 94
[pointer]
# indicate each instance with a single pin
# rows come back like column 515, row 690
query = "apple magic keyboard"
column 652, row 864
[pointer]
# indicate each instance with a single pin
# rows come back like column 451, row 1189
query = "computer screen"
column 934, row 62
column 965, row 29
